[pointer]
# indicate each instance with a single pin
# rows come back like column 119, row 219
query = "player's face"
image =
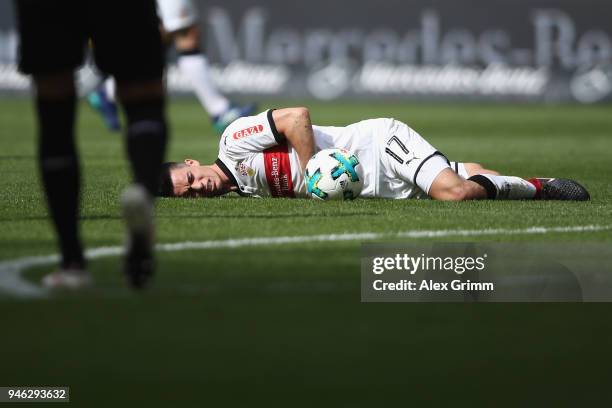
column 195, row 180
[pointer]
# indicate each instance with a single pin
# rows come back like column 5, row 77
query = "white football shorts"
column 177, row 14
column 408, row 164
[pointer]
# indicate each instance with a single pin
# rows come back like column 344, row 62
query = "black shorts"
column 124, row 35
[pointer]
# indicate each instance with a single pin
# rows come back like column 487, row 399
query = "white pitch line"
column 12, row 283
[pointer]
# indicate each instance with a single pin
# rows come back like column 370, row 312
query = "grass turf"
column 285, row 323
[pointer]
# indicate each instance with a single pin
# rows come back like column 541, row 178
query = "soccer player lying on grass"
column 266, row 155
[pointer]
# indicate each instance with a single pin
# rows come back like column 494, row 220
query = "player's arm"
column 295, row 125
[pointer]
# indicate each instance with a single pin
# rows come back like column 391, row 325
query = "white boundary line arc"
column 12, row 283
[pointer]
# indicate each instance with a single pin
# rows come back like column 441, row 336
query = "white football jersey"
column 261, row 163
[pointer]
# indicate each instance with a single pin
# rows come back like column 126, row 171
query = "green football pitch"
column 281, row 322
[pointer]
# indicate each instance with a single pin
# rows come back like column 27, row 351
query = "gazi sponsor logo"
column 248, row 132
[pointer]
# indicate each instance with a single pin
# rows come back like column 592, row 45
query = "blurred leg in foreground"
column 59, row 168
column 146, row 136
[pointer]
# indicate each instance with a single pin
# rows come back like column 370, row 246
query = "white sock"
column 109, row 87
column 511, row 188
column 195, row 67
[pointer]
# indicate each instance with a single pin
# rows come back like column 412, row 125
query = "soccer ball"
column 334, row 174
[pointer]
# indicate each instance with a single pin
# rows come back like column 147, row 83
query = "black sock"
column 486, row 184
column 59, row 169
column 146, row 141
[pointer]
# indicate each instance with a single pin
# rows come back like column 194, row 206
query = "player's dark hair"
column 166, row 188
